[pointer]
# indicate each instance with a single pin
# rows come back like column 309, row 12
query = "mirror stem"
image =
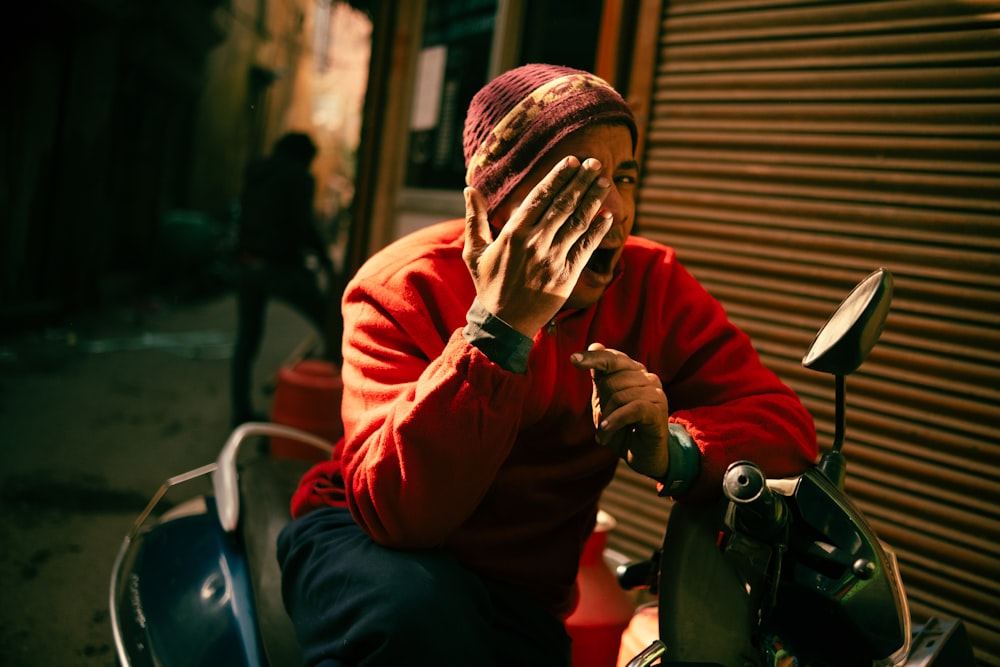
column 833, row 464
column 840, row 417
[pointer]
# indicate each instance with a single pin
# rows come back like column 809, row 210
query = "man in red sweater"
column 495, row 371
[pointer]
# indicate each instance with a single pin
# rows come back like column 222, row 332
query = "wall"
column 123, row 112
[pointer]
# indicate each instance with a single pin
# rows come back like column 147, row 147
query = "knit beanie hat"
column 519, row 116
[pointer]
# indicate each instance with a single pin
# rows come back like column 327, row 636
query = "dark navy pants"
column 354, row 602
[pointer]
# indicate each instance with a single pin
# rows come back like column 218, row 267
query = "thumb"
column 477, row 227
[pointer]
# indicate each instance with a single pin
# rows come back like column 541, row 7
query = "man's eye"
column 625, row 179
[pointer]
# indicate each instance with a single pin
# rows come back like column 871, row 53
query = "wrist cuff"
column 501, row 343
column 685, row 462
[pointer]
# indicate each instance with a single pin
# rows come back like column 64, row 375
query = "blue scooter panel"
column 186, row 587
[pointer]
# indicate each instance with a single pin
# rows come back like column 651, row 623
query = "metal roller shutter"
column 792, row 147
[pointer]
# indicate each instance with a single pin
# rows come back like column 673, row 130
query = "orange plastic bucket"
column 604, row 609
column 307, row 396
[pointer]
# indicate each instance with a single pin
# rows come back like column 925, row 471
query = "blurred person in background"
column 278, row 247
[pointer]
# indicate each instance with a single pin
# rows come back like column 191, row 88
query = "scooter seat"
column 266, row 488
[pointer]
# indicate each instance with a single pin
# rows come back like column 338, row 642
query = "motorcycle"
column 200, row 585
column 780, row 570
column 788, row 571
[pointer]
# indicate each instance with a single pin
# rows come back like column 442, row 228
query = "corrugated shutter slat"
column 791, row 148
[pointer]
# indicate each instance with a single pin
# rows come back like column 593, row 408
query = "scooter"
column 788, row 572
column 200, row 586
column 778, row 571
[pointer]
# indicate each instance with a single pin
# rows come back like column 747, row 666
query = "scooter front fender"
column 183, row 596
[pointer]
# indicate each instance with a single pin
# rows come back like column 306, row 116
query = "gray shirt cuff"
column 685, row 461
column 501, row 343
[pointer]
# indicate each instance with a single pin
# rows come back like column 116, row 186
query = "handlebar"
column 754, row 508
column 643, row 574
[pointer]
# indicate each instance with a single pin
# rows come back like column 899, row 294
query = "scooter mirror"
column 843, row 343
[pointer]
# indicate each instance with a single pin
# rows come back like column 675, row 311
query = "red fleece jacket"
column 446, row 450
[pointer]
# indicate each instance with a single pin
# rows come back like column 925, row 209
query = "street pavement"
column 94, row 416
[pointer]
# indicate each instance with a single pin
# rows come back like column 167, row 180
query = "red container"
column 307, row 396
column 604, row 609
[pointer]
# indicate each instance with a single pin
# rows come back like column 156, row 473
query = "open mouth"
column 602, row 260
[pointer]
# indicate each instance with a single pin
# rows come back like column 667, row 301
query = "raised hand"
column 630, row 409
column 526, row 273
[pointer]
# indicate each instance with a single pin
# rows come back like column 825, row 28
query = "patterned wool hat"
column 520, row 115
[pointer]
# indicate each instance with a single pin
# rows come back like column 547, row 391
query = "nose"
column 619, row 205
column 613, row 202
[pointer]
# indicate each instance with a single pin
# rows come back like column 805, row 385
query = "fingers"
column 477, row 228
column 573, row 207
column 529, row 270
column 574, row 221
column 540, row 198
column 627, row 394
column 565, row 204
column 601, row 360
column 584, row 246
column 631, row 412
